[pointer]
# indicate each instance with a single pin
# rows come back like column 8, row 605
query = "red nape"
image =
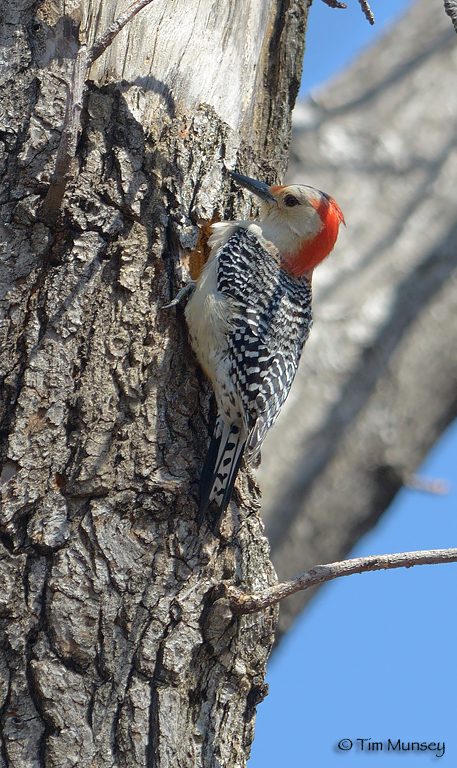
column 313, row 251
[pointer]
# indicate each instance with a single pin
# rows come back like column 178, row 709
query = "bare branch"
column 75, row 92
column 105, row 40
column 367, row 11
column 241, row 603
column 364, row 4
column 334, row 4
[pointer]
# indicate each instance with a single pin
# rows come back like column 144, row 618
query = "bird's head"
column 300, row 221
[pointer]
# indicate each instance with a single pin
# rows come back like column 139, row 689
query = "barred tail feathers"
column 221, row 467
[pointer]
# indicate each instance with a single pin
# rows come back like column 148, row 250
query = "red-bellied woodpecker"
column 250, row 316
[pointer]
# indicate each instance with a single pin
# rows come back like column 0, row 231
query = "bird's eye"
column 290, row 201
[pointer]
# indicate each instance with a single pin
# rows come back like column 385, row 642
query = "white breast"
column 208, row 314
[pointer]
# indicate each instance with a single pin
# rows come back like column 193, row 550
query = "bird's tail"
column 221, row 468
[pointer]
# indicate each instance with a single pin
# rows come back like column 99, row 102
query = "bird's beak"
column 259, row 188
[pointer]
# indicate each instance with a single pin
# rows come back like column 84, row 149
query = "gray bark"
column 114, row 648
column 377, row 383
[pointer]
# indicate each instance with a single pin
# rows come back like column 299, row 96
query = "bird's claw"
column 189, row 288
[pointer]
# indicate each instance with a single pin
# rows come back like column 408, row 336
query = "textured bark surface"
column 377, row 383
column 114, row 648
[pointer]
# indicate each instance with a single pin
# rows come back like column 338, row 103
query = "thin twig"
column 241, row 603
column 367, row 11
column 75, row 92
column 105, row 40
column 365, row 7
column 334, row 4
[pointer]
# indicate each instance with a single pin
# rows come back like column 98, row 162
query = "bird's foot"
column 188, row 290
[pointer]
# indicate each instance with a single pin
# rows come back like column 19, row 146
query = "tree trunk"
column 377, row 384
column 115, row 650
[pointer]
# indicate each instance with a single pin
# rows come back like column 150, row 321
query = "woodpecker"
column 250, row 316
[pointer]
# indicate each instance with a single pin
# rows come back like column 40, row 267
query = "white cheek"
column 285, row 228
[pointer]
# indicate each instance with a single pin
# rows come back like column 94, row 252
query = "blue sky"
column 335, row 36
column 374, row 655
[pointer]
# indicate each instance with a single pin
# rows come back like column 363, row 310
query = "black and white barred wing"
column 265, row 380
column 271, row 322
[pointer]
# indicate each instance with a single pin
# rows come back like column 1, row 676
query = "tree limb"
column 242, row 603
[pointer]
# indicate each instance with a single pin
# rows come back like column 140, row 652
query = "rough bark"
column 377, row 384
column 114, row 649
